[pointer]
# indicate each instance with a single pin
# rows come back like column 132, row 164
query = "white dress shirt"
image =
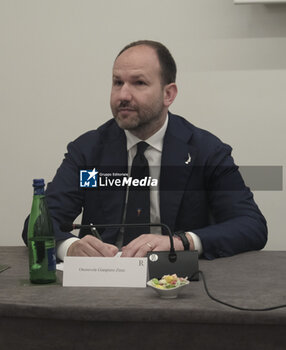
column 153, row 154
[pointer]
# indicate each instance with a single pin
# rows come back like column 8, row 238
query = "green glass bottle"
column 41, row 240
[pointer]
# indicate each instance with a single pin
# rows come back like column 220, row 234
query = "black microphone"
column 67, row 227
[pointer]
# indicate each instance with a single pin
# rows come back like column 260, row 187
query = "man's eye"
column 117, row 83
column 140, row 82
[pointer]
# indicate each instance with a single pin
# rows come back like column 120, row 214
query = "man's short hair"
column 167, row 62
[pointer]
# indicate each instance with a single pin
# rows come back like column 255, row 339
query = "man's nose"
column 125, row 93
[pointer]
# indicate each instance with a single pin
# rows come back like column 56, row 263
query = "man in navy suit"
column 200, row 195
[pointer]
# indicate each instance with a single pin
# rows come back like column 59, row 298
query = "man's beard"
column 139, row 119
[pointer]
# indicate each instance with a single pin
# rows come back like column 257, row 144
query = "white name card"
column 104, row 272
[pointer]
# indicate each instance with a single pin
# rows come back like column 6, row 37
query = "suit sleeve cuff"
column 63, row 246
column 197, row 242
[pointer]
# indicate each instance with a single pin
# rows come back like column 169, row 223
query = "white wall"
column 55, row 77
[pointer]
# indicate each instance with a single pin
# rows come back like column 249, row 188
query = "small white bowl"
column 170, row 293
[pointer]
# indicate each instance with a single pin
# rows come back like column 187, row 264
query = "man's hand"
column 143, row 244
column 91, row 246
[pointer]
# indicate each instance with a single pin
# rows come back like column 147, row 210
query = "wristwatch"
column 184, row 239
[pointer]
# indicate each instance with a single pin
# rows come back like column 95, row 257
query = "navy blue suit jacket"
column 206, row 195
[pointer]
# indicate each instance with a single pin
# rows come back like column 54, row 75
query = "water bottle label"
column 51, row 252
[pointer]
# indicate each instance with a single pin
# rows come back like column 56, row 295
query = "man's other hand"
column 145, row 243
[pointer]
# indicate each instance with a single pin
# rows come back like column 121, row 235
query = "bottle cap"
column 38, row 182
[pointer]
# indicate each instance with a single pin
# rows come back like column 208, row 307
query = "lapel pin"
column 188, row 161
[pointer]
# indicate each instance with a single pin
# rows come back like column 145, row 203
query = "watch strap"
column 184, row 239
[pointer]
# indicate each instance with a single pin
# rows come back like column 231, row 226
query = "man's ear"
column 170, row 93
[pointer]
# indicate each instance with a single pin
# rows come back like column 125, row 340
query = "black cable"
column 230, row 305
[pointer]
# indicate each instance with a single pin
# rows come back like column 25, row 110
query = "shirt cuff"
column 63, row 246
column 197, row 242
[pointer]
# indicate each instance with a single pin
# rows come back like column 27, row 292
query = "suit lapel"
column 176, row 166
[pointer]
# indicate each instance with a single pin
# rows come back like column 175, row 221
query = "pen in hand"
column 94, row 232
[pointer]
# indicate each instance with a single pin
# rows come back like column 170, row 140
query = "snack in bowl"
column 168, row 286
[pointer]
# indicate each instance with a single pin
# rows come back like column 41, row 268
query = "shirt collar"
column 155, row 141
